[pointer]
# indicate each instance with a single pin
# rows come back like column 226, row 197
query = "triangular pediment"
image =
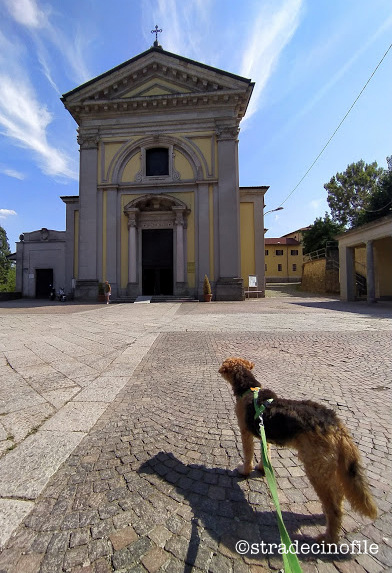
column 156, row 74
column 155, row 86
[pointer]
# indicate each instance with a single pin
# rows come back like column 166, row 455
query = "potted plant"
column 207, row 289
column 101, row 293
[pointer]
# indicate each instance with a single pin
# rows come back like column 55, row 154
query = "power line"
column 337, row 129
column 378, row 210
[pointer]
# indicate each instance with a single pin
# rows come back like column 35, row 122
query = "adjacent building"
column 283, row 259
column 366, row 251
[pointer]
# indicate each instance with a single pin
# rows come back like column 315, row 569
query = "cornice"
column 189, row 84
column 386, row 221
column 133, row 186
column 254, row 190
column 70, row 199
column 173, row 102
column 154, row 60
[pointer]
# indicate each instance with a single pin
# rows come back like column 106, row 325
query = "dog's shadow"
column 219, row 506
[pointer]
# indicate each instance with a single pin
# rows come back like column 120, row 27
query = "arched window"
column 157, row 161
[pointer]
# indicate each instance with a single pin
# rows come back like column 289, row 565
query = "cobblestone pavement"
column 129, row 464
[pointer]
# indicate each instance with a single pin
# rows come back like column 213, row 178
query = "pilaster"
column 87, row 284
column 229, row 285
column 111, row 237
column 203, row 222
column 72, row 204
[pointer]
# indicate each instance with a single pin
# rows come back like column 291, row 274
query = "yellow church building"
column 159, row 202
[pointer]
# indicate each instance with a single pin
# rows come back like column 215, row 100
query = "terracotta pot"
column 207, row 297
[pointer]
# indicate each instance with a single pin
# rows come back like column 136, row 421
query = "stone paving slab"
column 76, row 416
column 152, row 487
column 25, row 471
column 102, row 389
column 12, row 512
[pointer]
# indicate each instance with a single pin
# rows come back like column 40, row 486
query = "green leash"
column 290, row 560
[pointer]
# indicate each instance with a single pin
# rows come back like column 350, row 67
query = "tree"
column 380, row 203
column 10, row 283
column 322, row 231
column 5, row 264
column 349, row 192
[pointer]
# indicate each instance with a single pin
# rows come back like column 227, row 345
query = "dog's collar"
column 259, row 408
column 250, row 391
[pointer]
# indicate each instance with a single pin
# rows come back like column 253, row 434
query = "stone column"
column 132, row 247
column 347, row 273
column 370, row 281
column 229, row 285
column 179, row 222
column 87, row 284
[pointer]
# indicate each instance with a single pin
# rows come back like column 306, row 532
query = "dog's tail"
column 352, row 476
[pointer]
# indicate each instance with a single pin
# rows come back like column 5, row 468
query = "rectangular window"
column 279, row 252
column 294, row 267
column 265, row 268
column 294, row 252
column 279, row 267
column 157, row 161
column 266, row 252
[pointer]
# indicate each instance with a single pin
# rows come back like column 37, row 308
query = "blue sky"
column 309, row 59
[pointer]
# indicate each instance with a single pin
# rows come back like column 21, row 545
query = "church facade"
column 159, row 202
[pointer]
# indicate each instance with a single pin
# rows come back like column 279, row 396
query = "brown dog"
column 331, row 459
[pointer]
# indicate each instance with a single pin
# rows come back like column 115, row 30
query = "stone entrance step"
column 172, row 298
column 148, row 299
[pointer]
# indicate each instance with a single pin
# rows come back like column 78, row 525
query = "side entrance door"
column 43, row 282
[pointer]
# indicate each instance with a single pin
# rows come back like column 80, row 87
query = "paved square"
column 119, row 438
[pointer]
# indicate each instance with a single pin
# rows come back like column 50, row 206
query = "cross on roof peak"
column 156, row 31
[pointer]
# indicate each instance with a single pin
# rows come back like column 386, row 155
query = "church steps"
column 155, row 299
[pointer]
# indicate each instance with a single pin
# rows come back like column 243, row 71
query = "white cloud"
column 4, row 213
column 72, row 50
column 178, row 21
column 27, row 13
column 12, row 173
column 46, row 71
column 315, row 204
column 343, row 69
column 25, row 121
column 272, row 30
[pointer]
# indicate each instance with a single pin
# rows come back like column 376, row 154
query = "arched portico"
column 157, row 226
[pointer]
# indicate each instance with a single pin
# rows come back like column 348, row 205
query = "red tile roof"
column 281, row 241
